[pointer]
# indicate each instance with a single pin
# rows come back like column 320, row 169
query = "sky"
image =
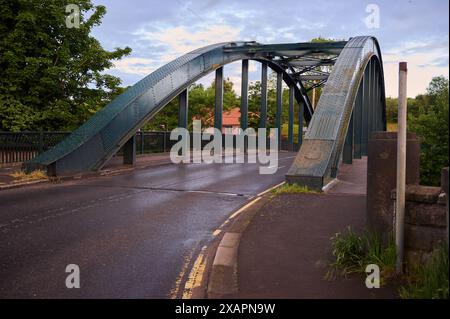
column 158, row 31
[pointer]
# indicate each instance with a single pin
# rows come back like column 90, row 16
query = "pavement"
column 281, row 249
column 133, row 235
column 113, row 166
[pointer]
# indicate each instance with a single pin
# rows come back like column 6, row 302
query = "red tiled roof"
column 232, row 117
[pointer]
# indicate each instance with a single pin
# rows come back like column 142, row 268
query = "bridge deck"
column 131, row 234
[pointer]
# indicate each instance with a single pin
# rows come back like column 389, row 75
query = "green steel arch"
column 352, row 104
column 91, row 145
column 351, row 107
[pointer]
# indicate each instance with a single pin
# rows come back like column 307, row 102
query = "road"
column 130, row 234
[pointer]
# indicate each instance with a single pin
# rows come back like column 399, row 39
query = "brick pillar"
column 381, row 177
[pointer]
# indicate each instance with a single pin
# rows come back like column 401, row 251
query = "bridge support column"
column 279, row 96
column 370, row 120
column 244, row 95
column 357, row 123
column 291, row 119
column 244, row 100
column 218, row 107
column 183, row 103
column 347, row 155
column 300, row 124
column 129, row 151
column 183, row 106
column 376, row 113
column 263, row 112
column 365, row 110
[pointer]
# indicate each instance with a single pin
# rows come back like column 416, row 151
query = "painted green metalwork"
column 291, row 119
column 298, row 64
column 279, row 99
column 359, row 63
column 263, row 110
column 300, row 124
column 218, row 104
column 244, row 95
column 183, row 105
column 96, row 141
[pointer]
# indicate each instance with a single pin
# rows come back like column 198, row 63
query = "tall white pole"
column 401, row 165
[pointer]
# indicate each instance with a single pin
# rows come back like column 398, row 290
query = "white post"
column 401, row 165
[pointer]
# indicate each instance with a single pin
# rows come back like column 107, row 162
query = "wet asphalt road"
column 129, row 234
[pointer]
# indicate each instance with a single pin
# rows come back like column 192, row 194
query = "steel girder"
column 91, row 145
column 355, row 86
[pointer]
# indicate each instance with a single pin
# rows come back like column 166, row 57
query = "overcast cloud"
column 415, row 31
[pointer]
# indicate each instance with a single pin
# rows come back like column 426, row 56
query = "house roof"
column 232, row 117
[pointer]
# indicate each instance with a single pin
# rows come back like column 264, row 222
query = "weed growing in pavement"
column 34, row 175
column 353, row 252
column 292, row 189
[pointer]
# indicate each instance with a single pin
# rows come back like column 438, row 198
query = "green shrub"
column 431, row 126
column 429, row 281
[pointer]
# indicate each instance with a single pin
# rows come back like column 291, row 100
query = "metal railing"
column 24, row 146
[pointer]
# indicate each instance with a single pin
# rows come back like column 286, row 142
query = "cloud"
column 182, row 39
column 139, row 66
column 426, row 59
column 170, row 43
column 415, row 31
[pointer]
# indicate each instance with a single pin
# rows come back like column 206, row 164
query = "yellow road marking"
column 197, row 272
column 174, row 292
column 196, row 275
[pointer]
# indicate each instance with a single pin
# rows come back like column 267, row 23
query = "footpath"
column 283, row 248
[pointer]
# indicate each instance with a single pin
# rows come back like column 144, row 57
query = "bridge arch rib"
column 91, row 145
column 351, row 107
column 336, row 128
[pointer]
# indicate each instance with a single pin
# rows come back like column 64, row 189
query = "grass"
column 34, row 175
column 292, row 189
column 353, row 252
column 429, row 281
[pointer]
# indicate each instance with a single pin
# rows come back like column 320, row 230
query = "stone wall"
column 425, row 221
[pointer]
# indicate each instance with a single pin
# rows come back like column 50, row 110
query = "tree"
column 201, row 105
column 391, row 110
column 52, row 76
column 431, row 126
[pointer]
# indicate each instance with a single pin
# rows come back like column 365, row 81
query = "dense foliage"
column 52, row 75
column 428, row 118
column 431, row 125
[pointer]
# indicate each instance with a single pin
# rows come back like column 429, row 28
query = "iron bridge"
column 350, row 108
